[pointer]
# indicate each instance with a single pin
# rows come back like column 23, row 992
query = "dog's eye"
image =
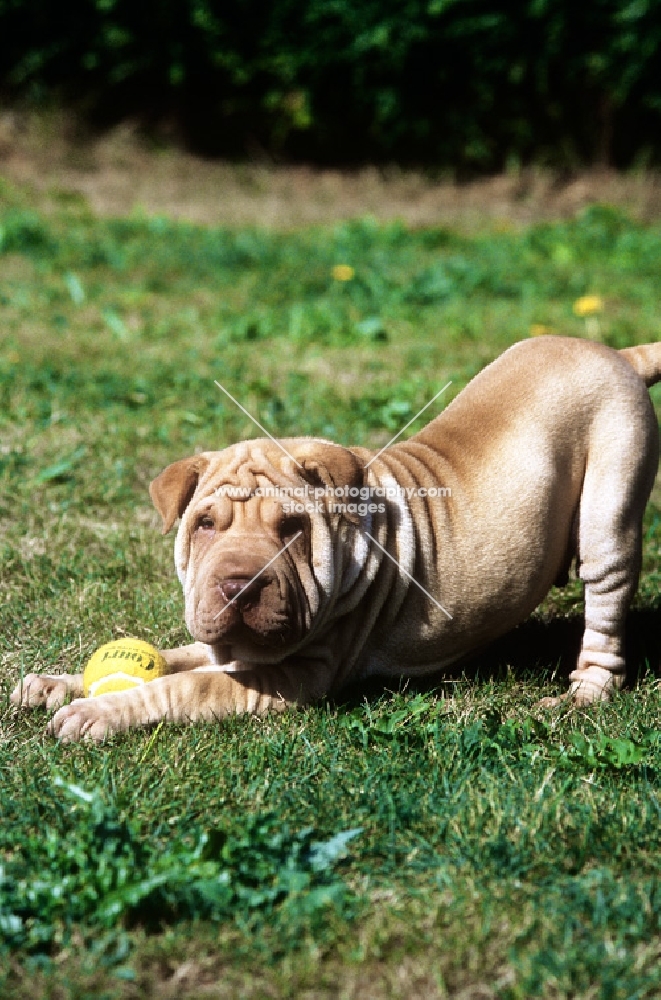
column 205, row 523
column 291, row 526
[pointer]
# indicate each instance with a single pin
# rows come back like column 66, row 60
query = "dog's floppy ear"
column 333, row 466
column 173, row 489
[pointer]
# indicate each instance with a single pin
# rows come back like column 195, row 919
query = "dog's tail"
column 646, row 360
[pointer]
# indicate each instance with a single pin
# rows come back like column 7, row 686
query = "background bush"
column 467, row 83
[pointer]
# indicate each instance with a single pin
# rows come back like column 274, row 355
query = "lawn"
column 449, row 840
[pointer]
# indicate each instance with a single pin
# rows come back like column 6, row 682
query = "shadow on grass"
column 543, row 650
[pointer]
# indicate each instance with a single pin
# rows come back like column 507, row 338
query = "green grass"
column 420, row 842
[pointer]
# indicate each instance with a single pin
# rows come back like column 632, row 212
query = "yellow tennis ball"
column 121, row 665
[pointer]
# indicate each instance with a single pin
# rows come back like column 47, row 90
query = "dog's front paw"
column 41, row 691
column 87, row 719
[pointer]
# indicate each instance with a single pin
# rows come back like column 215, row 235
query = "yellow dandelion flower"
column 343, row 272
column 539, row 330
column 587, row 305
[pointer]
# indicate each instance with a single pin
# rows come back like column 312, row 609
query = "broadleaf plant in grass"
column 95, row 870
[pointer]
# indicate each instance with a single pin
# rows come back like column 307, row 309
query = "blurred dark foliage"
column 472, row 84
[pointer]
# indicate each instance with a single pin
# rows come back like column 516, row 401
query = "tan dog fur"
column 549, row 456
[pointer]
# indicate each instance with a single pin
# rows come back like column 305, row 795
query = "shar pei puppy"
column 306, row 565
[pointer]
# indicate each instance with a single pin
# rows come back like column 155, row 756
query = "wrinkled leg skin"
column 194, row 696
column 613, row 500
column 53, row 690
column 193, row 691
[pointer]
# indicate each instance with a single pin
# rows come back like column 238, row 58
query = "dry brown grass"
column 119, row 173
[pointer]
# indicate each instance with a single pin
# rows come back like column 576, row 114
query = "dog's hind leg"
column 622, row 463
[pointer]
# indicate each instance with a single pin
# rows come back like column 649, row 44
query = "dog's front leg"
column 52, row 690
column 196, row 654
column 205, row 694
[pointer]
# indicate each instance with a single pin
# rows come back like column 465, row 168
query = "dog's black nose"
column 241, row 590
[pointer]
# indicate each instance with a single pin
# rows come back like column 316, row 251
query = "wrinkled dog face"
column 259, row 576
